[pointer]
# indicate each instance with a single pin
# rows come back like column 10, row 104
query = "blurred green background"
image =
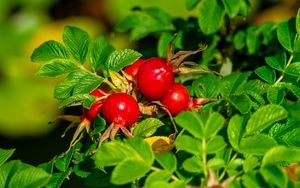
column 26, row 101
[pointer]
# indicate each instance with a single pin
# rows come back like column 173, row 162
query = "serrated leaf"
column 292, row 138
column 100, row 51
column 119, row 59
column 242, row 102
column 209, row 86
column 235, row 130
column 56, row 68
column 281, row 154
column 77, row 99
column 252, row 39
column 167, row 160
column 193, row 164
column 286, row 33
column 142, row 148
column 265, row 116
column 5, row 154
column 17, row 174
column 57, row 179
column 147, row 127
column 278, row 61
column 293, row 69
column 274, row 175
column 257, row 144
column 191, row 121
column 234, row 82
column 49, row 51
column 215, row 144
column 188, row 144
column 191, row 4
column 292, row 88
column 161, row 175
column 63, row 161
column 87, row 84
column 266, row 73
column 276, row 94
column 232, row 7
column 214, row 123
column 239, row 40
column 77, row 41
column 211, row 15
column 129, row 170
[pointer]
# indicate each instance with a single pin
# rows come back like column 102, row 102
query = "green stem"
column 226, row 167
column 287, row 64
column 204, row 158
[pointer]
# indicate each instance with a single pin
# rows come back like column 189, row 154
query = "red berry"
column 91, row 113
column 121, row 109
column 154, row 78
column 177, row 99
column 132, row 70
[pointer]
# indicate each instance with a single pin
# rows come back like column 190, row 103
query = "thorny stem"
column 288, row 63
column 173, row 177
column 226, row 167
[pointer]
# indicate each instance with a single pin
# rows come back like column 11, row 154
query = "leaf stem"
column 287, row 64
column 226, row 167
column 173, row 177
column 204, row 158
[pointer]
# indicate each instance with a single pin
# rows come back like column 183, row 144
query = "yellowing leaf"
column 160, row 144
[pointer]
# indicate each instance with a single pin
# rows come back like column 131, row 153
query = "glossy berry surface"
column 132, row 70
column 121, row 109
column 177, row 99
column 91, row 113
column 154, row 78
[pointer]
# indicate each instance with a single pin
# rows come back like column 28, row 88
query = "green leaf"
column 142, row 148
column 65, row 88
column 264, row 117
column 129, row 170
column 214, row 123
column 49, row 51
column 211, row 15
column 234, row 82
column 56, row 68
column 251, row 180
column 188, row 144
column 291, row 138
column 77, row 41
column 63, row 161
column 160, row 15
column 286, row 33
column 119, row 59
column 167, row 160
column 278, row 61
column 216, row 163
column 112, row 153
column 232, row 7
column 57, row 179
column 293, row 69
column 17, row 174
column 147, row 127
column 276, row 94
column 298, row 22
column 209, row 86
column 257, row 144
column 161, row 175
column 250, row 163
column 215, row 144
column 292, row 88
column 235, row 130
column 274, row 175
column 193, row 164
column 87, row 84
column 5, row 154
column 191, row 121
column 100, row 51
column 281, row 154
column 242, row 102
column 252, row 39
column 239, row 40
column 77, row 99
column 191, row 4
column 266, row 74
column 163, row 43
